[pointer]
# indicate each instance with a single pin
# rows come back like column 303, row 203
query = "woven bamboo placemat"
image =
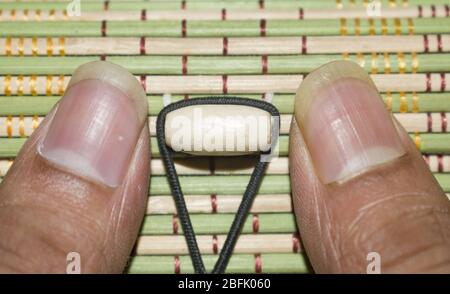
column 182, row 49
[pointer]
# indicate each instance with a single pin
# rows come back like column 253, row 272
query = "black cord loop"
column 177, row 192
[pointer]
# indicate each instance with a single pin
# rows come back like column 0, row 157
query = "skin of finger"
column 396, row 209
column 45, row 213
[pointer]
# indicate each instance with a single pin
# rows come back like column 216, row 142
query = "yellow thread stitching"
column 401, row 62
column 19, row 82
column 374, row 63
column 418, row 141
column 51, row 14
column 61, row 85
column 387, row 64
column 20, row 46
column 8, row 46
column 338, row 4
column 48, row 85
column 403, row 103
column 410, row 26
column 415, row 104
column 384, row 26
column 9, row 129
column 62, row 52
column 25, row 14
column 34, row 46
column 343, row 27
column 65, row 16
column 405, row 3
column 13, row 14
column 388, row 101
column 352, row 3
column 33, row 85
column 371, row 27
column 37, row 15
column 35, row 122
column 361, row 60
column 365, row 3
column 345, row 56
column 398, row 26
column 7, row 85
column 21, row 126
column 415, row 62
column 1, row 14
column 357, row 27
column 392, row 4
column 49, row 46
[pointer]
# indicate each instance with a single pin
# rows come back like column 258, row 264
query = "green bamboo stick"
column 220, row 224
column 407, row 102
column 201, row 5
column 432, row 143
column 201, row 65
column 230, row 28
column 239, row 263
column 236, row 184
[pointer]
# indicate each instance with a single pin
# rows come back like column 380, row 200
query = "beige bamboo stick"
column 244, row 84
column 426, row 11
column 220, row 204
column 20, row 126
column 212, row 244
column 220, row 46
column 244, row 165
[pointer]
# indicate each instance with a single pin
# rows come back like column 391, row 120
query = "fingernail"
column 97, row 124
column 344, row 122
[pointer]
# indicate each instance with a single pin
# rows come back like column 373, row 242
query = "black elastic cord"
column 174, row 183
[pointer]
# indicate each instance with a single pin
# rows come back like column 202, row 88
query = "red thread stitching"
column 262, row 27
column 295, row 243
column 183, row 4
column 177, row 264
column 225, row 84
column 184, row 64
column 103, row 29
column 224, row 14
column 183, row 28
column 213, row 203
column 447, row 10
column 420, row 11
column 143, row 14
column 103, row 57
column 443, row 83
column 261, row 4
column 429, row 122
column 428, row 81
column 175, row 224
column 255, row 224
column 264, row 64
column 186, row 96
column 439, row 42
column 433, row 11
column 144, row 82
column 440, row 163
column 425, row 43
column 215, row 244
column 142, row 46
column 225, row 46
column 443, row 122
column 304, row 48
column 300, row 13
column 258, row 263
column 106, row 5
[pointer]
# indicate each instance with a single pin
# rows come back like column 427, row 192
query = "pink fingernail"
column 344, row 122
column 97, row 124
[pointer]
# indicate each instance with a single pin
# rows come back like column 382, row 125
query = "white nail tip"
column 367, row 160
column 73, row 163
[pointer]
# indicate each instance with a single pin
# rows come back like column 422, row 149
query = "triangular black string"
column 177, row 193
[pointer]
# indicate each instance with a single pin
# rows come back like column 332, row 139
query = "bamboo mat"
column 261, row 49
